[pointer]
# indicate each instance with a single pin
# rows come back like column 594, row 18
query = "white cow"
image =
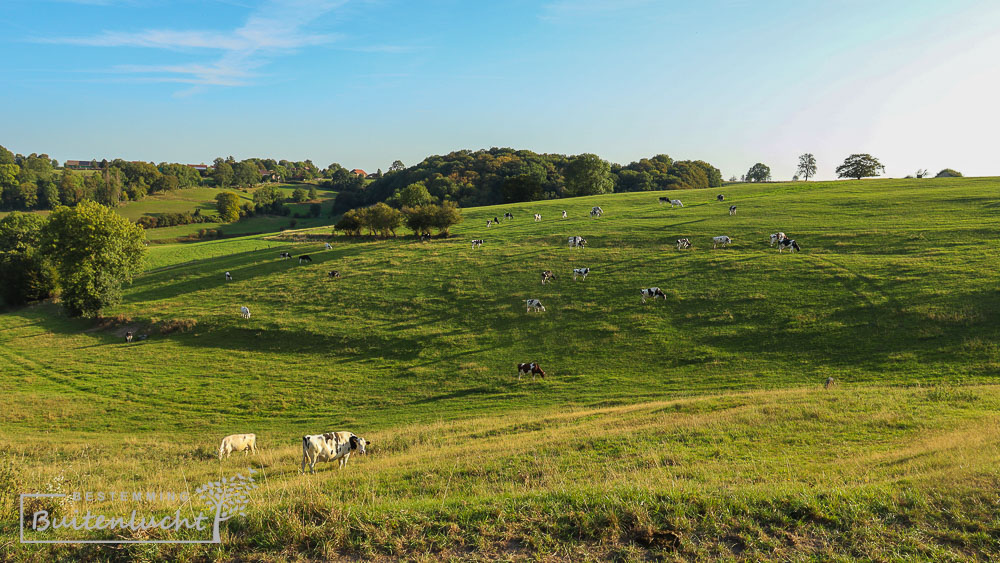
column 238, row 443
column 534, row 304
column 538, row 217
column 653, row 293
column 229, row 277
column 683, row 243
column 330, row 446
column 575, row 242
column 245, row 312
column 723, row 240
column 564, row 213
column 580, row 272
column 596, row 211
column 777, row 237
column 676, row 203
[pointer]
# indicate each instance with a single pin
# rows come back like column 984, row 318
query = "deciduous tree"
column 860, row 166
column 807, row 166
column 228, row 206
column 759, row 173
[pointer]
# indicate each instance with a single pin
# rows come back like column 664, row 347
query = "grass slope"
column 415, row 346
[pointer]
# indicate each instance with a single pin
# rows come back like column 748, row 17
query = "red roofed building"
column 360, row 172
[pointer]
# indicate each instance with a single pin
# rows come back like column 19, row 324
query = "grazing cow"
column 489, row 223
column 285, row 255
column 508, row 215
column 333, row 274
column 732, row 210
column 596, row 212
column 305, row 258
column 788, row 244
column 495, row 220
column 723, row 240
column 477, row 243
column 245, row 312
column 652, row 293
column 564, row 214
column 664, row 200
column 829, row 383
column 538, row 217
column 534, row 304
column 530, row 367
column 229, row 277
column 683, row 243
column 580, row 272
column 328, row 246
column 676, row 203
column 547, row 275
column 245, row 443
column 720, row 197
column 128, row 336
column 575, row 242
column 331, row 446
column 425, row 237
column 777, row 237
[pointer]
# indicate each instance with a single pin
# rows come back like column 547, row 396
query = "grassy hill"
column 695, row 427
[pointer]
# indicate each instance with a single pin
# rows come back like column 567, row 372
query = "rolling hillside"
column 694, row 427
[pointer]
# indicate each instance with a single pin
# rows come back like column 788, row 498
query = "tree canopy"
column 807, row 166
column 860, row 166
column 759, row 173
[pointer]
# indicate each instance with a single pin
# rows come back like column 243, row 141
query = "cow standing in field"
column 285, row 255
column 333, row 274
column 305, row 258
column 128, row 336
column 652, row 293
column 508, row 215
column 534, row 305
column 777, row 237
column 596, row 212
column 582, row 272
column 564, row 214
column 496, row 220
column 547, row 276
column 425, row 237
column 530, row 367
column 538, row 217
column 723, row 240
column 577, row 242
column 664, row 200
column 683, row 243
column 331, row 446
column 489, row 223
column 789, row 245
column 245, row 312
column 246, row 443
column 477, row 243
column 329, row 246
column 732, row 210
column 676, row 203
column 720, row 197
column 829, row 383
column 229, row 277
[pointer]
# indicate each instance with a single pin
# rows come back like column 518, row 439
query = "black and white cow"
column 538, row 217
column 720, row 197
column 425, row 237
column 547, row 276
column 530, row 367
column 596, row 211
column 329, row 246
column 285, row 255
column 245, row 312
column 651, row 293
column 508, row 215
column 489, row 223
column 564, row 214
column 580, row 272
column 305, row 258
column 496, row 220
column 683, row 243
column 229, row 277
column 128, row 336
column 789, row 245
column 476, row 243
column 664, row 200
column 723, row 240
column 732, row 210
column 333, row 273
column 534, row 305
column 676, row 203
column 575, row 242
column 777, row 237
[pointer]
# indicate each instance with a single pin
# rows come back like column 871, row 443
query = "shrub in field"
column 949, row 173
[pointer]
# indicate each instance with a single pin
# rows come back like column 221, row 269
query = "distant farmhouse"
column 199, row 167
column 359, row 172
column 269, row 176
column 81, row 164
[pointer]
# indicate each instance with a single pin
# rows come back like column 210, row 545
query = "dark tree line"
column 503, row 175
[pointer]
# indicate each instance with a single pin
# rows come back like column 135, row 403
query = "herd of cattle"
column 338, row 446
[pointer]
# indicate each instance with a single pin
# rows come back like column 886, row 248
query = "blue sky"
column 364, row 82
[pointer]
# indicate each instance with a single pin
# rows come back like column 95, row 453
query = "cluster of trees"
column 856, row 166
column 85, row 253
column 499, row 175
column 33, row 181
column 383, row 220
column 174, row 219
column 227, row 172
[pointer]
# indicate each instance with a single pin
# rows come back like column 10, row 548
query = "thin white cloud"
column 272, row 29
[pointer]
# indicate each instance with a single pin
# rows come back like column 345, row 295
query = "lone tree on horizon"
column 807, row 166
column 759, row 173
column 860, row 166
